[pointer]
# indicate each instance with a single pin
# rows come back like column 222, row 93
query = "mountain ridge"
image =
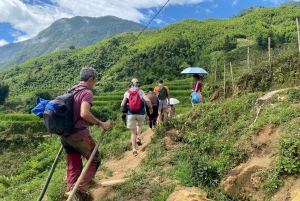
column 77, row 31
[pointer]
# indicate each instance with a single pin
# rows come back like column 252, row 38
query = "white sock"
column 139, row 137
column 133, row 150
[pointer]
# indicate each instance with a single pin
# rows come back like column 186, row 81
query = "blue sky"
column 23, row 19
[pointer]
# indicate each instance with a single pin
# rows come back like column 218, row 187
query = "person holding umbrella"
column 171, row 109
column 196, row 95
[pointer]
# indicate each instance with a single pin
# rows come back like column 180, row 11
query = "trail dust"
column 102, row 189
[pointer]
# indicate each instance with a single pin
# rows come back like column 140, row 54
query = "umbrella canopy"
column 194, row 70
column 173, row 101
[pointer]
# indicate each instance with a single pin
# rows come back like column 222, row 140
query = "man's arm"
column 123, row 101
column 86, row 114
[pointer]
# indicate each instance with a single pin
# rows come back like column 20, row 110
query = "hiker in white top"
column 135, row 116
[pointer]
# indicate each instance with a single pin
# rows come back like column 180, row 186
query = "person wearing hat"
column 135, row 118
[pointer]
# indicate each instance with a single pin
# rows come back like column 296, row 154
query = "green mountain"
column 248, row 10
column 158, row 54
column 292, row 3
column 76, row 32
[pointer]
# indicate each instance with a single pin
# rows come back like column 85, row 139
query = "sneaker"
column 139, row 141
column 134, row 153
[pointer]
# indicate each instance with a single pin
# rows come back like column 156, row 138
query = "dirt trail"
column 102, row 188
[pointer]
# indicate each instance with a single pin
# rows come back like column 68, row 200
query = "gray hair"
column 86, row 73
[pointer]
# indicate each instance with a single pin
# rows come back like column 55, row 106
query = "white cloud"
column 159, row 21
column 207, row 10
column 215, row 6
column 150, row 12
column 234, row 2
column 31, row 19
column 276, row 2
column 3, row 42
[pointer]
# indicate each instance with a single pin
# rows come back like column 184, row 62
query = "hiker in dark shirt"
column 154, row 100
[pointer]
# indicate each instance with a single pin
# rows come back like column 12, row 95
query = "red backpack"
column 134, row 101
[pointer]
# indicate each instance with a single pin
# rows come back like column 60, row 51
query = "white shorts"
column 134, row 119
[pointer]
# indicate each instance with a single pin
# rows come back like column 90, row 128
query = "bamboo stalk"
column 224, row 91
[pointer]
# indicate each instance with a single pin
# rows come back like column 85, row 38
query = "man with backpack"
column 163, row 95
column 136, row 112
column 80, row 143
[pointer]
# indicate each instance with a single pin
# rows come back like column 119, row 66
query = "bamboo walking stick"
column 50, row 174
column 86, row 167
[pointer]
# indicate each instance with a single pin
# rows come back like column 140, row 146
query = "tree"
column 229, row 44
column 72, row 47
column 4, row 89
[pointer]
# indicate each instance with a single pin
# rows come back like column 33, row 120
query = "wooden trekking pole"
column 86, row 167
column 50, row 174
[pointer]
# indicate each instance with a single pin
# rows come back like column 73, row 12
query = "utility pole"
column 297, row 24
column 248, row 58
column 269, row 50
column 216, row 70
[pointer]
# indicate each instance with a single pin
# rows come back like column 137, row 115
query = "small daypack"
column 58, row 114
column 153, row 98
column 135, row 103
column 162, row 93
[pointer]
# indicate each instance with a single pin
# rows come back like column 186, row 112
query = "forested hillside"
column 65, row 33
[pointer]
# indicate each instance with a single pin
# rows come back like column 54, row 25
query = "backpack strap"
column 75, row 91
column 131, row 92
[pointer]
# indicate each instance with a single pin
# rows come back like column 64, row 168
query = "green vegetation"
column 215, row 136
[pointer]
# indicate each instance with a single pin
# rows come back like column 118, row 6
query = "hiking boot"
column 77, row 196
column 80, row 196
column 139, row 141
column 134, row 153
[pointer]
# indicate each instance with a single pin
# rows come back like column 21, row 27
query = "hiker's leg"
column 150, row 123
column 74, row 163
column 138, row 130
column 74, row 167
column 83, row 143
column 90, row 144
column 165, row 113
column 159, row 115
column 133, row 138
column 132, row 122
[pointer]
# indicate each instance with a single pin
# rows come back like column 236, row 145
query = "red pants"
column 77, row 145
